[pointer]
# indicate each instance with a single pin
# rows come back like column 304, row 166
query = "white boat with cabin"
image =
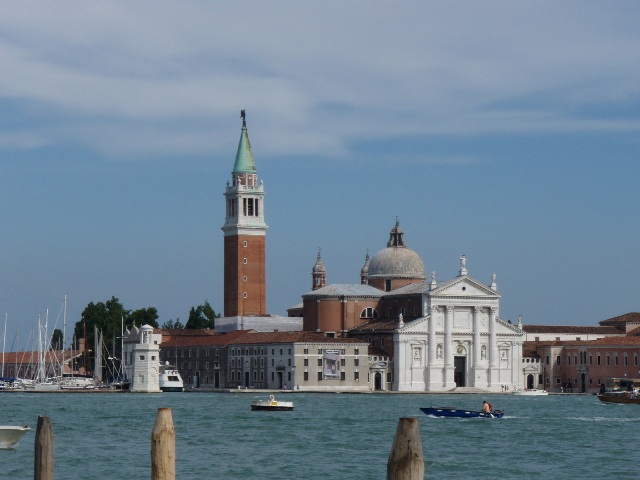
column 170, row 379
column 271, row 404
column 530, row 392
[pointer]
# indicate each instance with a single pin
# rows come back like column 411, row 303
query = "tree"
column 57, row 340
column 108, row 317
column 202, row 316
column 171, row 325
column 144, row 316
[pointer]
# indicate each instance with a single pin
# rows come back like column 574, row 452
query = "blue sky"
column 505, row 131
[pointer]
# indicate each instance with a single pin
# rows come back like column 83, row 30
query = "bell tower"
column 244, row 234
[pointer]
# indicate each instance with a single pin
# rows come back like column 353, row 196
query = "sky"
column 505, row 131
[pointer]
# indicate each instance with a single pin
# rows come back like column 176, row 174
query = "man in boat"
column 486, row 407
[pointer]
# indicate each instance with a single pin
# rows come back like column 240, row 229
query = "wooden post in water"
column 163, row 447
column 406, row 461
column 43, row 464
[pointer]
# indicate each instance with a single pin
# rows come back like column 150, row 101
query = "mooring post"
column 43, row 462
column 406, row 461
column 163, row 447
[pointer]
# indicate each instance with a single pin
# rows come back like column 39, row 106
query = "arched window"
column 369, row 312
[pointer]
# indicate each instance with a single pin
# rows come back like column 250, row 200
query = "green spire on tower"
column 244, row 158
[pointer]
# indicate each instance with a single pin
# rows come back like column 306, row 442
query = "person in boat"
column 487, row 407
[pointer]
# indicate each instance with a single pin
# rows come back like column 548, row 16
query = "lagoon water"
column 337, row 436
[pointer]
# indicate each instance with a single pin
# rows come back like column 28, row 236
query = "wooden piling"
column 406, row 461
column 163, row 447
column 43, row 464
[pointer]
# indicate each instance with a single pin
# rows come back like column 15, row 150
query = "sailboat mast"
column 4, row 340
column 64, row 333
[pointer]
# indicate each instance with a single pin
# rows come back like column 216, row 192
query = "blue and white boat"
column 459, row 413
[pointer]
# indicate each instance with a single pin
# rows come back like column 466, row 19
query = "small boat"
column 530, row 392
column 271, row 404
column 619, row 397
column 459, row 413
column 170, row 379
column 10, row 435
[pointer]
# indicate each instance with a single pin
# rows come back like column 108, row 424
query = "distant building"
column 580, row 359
column 300, row 361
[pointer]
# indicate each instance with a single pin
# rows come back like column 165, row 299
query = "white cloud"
column 320, row 74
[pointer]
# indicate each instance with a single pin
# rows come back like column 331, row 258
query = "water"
column 337, row 436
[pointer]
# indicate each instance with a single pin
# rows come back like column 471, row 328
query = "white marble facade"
column 460, row 342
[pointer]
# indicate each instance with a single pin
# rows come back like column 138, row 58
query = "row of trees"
column 111, row 317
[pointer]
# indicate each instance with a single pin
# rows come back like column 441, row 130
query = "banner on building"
column 331, row 364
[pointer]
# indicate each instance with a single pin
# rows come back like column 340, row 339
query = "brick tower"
column 244, row 236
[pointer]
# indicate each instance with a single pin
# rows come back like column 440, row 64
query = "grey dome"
column 396, row 261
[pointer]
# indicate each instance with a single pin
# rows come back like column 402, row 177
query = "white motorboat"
column 271, row 404
column 10, row 435
column 530, row 392
column 170, row 379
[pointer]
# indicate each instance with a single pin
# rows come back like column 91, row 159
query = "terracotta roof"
column 631, row 317
column 204, row 340
column 377, row 325
column 570, row 329
column 252, row 337
column 26, row 358
column 619, row 340
column 289, row 337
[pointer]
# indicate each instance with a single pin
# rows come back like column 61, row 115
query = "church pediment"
column 464, row 286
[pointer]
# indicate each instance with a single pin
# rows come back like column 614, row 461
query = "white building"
column 461, row 342
column 142, row 359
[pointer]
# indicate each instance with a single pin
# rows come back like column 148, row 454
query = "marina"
column 327, row 436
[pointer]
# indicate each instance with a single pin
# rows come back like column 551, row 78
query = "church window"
column 244, row 207
column 616, row 359
column 568, row 359
column 369, row 312
column 244, row 260
column 387, row 285
column 250, row 207
column 626, row 360
column 608, row 360
column 256, row 209
column 244, row 295
column 599, row 360
column 244, row 244
column 590, row 359
column 244, row 278
column 635, row 359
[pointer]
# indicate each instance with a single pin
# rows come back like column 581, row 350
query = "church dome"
column 396, row 261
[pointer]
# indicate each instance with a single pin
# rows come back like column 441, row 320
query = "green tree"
column 108, row 317
column 171, row 325
column 202, row 316
column 57, row 340
column 144, row 316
